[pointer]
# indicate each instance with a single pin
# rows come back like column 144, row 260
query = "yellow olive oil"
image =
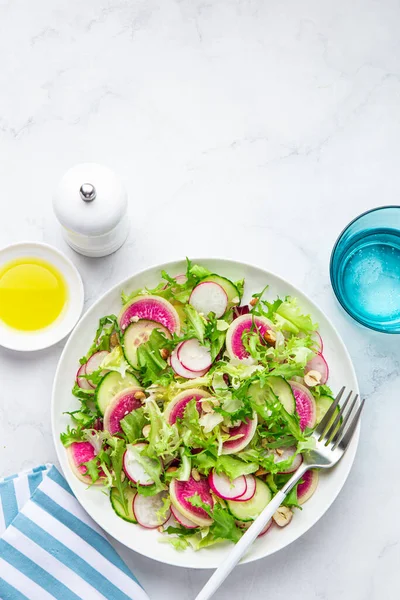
column 33, row 293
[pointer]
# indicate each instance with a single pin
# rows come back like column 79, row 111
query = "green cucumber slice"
column 323, row 403
column 230, row 288
column 249, row 510
column 136, row 334
column 284, row 392
column 111, row 384
column 129, row 494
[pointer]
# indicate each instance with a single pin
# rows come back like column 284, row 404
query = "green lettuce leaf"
column 132, row 425
column 234, row 467
column 290, row 310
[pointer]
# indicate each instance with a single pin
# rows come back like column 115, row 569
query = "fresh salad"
column 196, row 408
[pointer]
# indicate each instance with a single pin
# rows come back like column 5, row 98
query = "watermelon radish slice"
column 193, row 356
column 176, row 408
column 81, row 381
column 146, row 508
column 184, row 521
column 138, row 333
column 151, row 308
column 318, row 363
column 209, row 297
column 234, row 344
column 134, row 470
column 243, row 433
column 94, row 363
column 180, row 491
column 120, row 406
column 308, row 486
column 305, row 405
column 287, row 453
column 78, row 453
column 251, row 489
column 225, row 488
column 180, row 369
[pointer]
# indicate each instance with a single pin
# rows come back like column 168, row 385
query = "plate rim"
column 163, row 266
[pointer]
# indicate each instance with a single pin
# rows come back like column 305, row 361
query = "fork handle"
column 248, row 538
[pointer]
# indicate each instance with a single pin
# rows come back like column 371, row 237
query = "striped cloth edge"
column 50, row 548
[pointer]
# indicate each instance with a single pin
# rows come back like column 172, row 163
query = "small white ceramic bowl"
column 27, row 341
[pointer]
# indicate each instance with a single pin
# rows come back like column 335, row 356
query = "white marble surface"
column 249, row 129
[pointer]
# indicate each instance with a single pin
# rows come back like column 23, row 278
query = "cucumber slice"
column 284, row 392
column 230, row 288
column 249, row 510
column 136, row 334
column 110, row 385
column 117, row 506
column 322, row 404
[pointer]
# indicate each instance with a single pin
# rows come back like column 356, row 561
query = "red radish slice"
column 176, row 408
column 152, row 308
column 305, row 405
column 251, row 489
column 266, row 528
column 78, row 453
column 121, row 405
column 94, row 363
column 194, row 356
column 180, row 369
column 306, row 489
column 319, row 342
column 286, row 454
column 245, row 431
column 146, row 508
column 225, row 488
column 181, row 491
column 133, row 468
column 209, row 297
column 234, row 342
column 81, row 381
column 181, row 279
column 318, row 363
column 184, row 521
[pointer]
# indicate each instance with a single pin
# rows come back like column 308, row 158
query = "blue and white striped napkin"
column 50, row 548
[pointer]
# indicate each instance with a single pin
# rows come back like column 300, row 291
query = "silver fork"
column 331, row 442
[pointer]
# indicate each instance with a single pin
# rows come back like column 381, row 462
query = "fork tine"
column 346, row 439
column 320, row 430
column 336, row 422
column 340, row 432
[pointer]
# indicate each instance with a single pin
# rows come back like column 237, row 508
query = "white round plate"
column 97, row 504
column 28, row 341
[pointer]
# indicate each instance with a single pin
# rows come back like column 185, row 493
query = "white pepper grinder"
column 90, row 202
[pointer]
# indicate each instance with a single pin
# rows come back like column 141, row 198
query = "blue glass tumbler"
column 365, row 269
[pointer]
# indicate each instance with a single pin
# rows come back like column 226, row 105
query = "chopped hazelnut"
column 282, row 516
column 114, row 341
column 172, row 469
column 139, row 395
column 146, row 430
column 312, row 378
column 270, row 337
column 196, row 475
column 260, row 472
column 253, row 301
column 164, row 353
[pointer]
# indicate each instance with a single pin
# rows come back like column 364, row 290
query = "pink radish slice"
column 133, row 468
column 245, row 323
column 81, row 381
column 194, row 356
column 180, row 369
column 318, row 363
column 181, row 279
column 94, row 363
column 223, row 487
column 209, row 297
column 266, row 528
column 152, row 308
column 181, row 491
column 319, row 342
column 251, row 489
column 184, row 521
column 245, row 431
column 176, row 408
column 121, row 405
column 308, row 486
column 305, row 405
column 287, row 453
column 145, row 509
column 78, row 453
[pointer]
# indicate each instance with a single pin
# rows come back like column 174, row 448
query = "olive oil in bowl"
column 33, row 294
